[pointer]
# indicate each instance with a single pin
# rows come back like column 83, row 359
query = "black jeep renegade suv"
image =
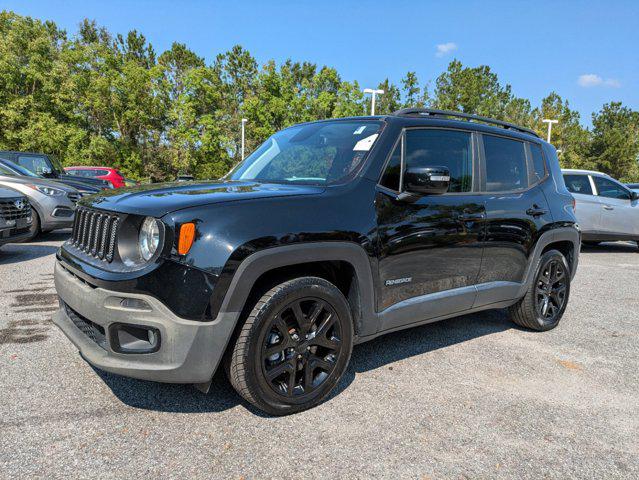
column 331, row 233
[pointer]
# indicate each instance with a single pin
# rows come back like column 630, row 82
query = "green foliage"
column 99, row 99
column 614, row 148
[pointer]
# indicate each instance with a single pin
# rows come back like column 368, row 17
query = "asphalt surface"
column 470, row 397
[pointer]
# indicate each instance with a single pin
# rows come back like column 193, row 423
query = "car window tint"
column 539, row 166
column 505, row 164
column 608, row 188
column 101, row 173
column 390, row 179
column 442, row 148
column 6, row 171
column 34, row 163
column 578, row 184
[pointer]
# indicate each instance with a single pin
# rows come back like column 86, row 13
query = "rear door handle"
column 535, row 211
column 608, row 207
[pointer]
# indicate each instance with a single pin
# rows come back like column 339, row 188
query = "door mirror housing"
column 634, row 195
column 427, row 180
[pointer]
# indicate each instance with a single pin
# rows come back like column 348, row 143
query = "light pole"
column 549, row 122
column 244, row 120
column 373, row 93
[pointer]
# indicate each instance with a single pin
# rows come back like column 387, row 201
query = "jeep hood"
column 157, row 200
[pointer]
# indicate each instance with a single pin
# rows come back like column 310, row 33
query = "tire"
column 35, row 227
column 545, row 301
column 293, row 347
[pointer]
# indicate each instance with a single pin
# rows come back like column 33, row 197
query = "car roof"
column 584, row 172
column 439, row 121
column 85, row 167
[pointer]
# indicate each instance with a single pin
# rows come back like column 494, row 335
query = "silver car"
column 607, row 210
column 53, row 203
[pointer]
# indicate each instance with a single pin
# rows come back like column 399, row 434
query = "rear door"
column 620, row 212
column 588, row 205
column 516, row 208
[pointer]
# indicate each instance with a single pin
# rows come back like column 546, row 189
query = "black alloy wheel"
column 293, row 347
column 551, row 289
column 546, row 298
column 301, row 347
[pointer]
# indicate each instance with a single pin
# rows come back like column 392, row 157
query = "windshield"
column 317, row 153
column 13, row 169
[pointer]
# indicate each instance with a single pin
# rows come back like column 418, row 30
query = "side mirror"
column 427, row 180
column 634, row 195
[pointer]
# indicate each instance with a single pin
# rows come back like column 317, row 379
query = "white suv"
column 607, row 210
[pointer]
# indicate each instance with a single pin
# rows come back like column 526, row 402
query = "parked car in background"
column 84, row 188
column 184, row 178
column 633, row 186
column 48, row 167
column 53, row 203
column 111, row 175
column 329, row 234
column 15, row 216
column 607, row 210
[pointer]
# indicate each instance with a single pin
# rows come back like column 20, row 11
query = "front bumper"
column 189, row 351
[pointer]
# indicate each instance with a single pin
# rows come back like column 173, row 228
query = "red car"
column 103, row 173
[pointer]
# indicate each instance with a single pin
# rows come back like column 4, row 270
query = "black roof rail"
column 466, row 116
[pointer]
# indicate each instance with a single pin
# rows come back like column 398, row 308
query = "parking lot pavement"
column 464, row 398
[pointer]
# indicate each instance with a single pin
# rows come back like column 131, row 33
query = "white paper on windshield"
column 365, row 144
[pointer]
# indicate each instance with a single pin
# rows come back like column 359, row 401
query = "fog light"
column 134, row 338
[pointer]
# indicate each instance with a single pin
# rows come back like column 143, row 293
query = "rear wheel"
column 293, row 347
column 545, row 302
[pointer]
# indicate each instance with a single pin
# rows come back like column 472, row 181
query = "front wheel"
column 294, row 346
column 34, row 230
column 545, row 302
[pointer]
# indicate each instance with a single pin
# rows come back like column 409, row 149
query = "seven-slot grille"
column 94, row 233
column 14, row 208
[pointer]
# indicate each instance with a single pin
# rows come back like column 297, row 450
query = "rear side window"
column 539, row 166
column 442, row 148
column 578, row 184
column 608, row 188
column 506, row 168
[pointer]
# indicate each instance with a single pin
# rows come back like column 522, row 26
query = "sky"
column 588, row 52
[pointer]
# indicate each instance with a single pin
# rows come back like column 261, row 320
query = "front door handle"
column 467, row 216
column 608, row 207
column 535, row 211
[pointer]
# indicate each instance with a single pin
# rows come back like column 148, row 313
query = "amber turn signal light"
column 187, row 235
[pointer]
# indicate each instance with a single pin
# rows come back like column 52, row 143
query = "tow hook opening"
column 127, row 338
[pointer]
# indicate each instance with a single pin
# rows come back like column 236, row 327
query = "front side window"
column 442, row 148
column 36, row 164
column 506, row 168
column 316, row 153
column 608, row 188
column 578, row 184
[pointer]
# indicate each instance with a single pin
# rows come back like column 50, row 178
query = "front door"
column 432, row 243
column 620, row 212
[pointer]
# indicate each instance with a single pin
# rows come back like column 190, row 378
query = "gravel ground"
column 470, row 397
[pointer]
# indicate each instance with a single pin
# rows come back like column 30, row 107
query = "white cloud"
column 445, row 48
column 592, row 80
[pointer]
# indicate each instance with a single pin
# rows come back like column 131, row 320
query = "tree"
column 615, row 142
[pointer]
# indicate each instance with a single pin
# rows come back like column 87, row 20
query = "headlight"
column 50, row 191
column 149, row 238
